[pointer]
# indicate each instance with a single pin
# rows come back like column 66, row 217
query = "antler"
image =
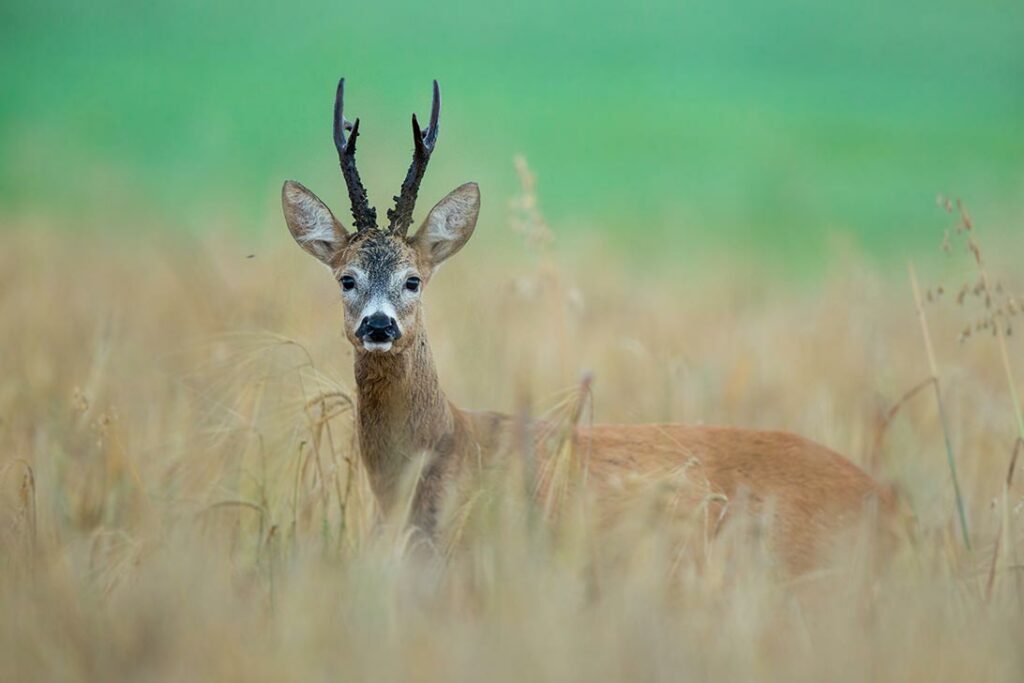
column 401, row 215
column 364, row 215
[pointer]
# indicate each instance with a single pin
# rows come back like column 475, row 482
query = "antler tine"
column 364, row 215
column 424, row 141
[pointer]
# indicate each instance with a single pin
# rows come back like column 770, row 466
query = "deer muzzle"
column 378, row 328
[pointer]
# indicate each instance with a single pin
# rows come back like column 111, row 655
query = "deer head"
column 382, row 272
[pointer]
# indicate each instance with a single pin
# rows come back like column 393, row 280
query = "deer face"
column 382, row 274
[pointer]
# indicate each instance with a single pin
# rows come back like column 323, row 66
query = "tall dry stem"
column 999, row 308
column 933, row 368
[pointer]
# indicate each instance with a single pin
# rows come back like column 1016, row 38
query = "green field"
column 775, row 126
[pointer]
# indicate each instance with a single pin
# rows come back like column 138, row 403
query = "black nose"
column 378, row 328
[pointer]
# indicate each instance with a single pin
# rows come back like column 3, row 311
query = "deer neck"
column 402, row 414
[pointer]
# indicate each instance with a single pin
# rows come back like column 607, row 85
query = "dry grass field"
column 180, row 498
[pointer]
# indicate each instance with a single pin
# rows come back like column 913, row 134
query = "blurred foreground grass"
column 180, row 498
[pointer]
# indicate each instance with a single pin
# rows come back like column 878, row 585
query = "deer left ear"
column 449, row 225
column 311, row 223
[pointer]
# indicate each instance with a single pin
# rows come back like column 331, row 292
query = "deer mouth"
column 377, row 346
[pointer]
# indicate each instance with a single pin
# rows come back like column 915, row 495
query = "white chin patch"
column 380, row 347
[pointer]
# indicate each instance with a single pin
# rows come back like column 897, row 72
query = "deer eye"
column 348, row 283
column 413, row 284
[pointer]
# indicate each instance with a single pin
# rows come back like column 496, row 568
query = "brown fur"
column 813, row 493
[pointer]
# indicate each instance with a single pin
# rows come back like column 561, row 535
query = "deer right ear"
column 449, row 225
column 311, row 223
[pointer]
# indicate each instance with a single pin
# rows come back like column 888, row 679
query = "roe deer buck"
column 403, row 412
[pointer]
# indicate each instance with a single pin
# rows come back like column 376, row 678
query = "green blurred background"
column 777, row 124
